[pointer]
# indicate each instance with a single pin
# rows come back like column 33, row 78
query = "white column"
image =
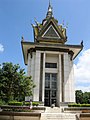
column 71, row 79
column 59, row 82
column 32, row 66
column 66, row 78
column 29, row 65
column 43, row 80
column 37, row 76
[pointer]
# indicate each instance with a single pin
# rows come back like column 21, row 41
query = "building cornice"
column 26, row 46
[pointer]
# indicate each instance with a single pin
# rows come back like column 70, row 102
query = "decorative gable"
column 51, row 32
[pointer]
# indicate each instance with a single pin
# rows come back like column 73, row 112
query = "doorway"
column 50, row 89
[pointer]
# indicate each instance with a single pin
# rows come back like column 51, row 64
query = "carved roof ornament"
column 22, row 38
column 49, row 13
column 82, row 43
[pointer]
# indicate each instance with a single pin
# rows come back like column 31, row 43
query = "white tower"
column 50, row 62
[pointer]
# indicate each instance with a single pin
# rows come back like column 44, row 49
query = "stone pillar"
column 32, row 72
column 72, row 87
column 66, row 78
column 29, row 65
column 43, row 80
column 37, row 76
column 59, row 82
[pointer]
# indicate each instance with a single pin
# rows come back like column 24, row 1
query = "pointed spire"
column 49, row 8
column 49, row 13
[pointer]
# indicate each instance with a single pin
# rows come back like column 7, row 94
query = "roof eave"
column 78, row 52
column 25, row 46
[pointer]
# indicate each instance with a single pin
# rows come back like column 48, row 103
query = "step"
column 58, row 116
column 53, row 110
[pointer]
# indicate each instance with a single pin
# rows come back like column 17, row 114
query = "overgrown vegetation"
column 14, row 84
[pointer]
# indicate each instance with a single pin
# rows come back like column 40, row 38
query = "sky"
column 16, row 17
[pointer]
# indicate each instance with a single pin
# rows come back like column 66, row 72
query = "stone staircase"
column 55, row 114
column 53, row 110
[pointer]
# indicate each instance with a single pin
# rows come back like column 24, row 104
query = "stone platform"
column 56, row 114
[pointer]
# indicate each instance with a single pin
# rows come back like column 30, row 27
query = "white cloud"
column 82, row 71
column 1, row 48
column 83, row 88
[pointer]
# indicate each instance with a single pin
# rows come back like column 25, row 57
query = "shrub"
column 85, row 105
column 79, row 105
column 35, row 103
column 15, row 103
column 27, row 103
column 74, row 105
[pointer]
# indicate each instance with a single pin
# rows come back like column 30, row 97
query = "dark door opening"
column 50, row 89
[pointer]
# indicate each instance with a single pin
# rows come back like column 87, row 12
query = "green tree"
column 86, row 97
column 79, row 96
column 14, row 84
